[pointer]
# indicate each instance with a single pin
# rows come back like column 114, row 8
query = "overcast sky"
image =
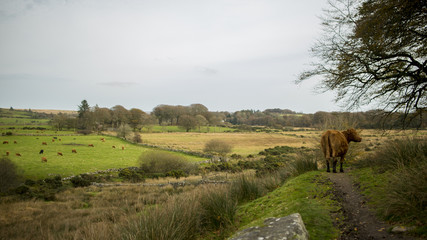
column 228, row 55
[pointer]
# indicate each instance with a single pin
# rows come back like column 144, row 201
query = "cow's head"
column 352, row 135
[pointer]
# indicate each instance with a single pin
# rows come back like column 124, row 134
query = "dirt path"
column 360, row 222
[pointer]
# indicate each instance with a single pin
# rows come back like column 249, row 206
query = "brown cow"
column 113, row 146
column 73, row 151
column 5, row 142
column 123, row 147
column 335, row 144
column 18, row 154
column 103, row 139
column 44, row 143
column 60, row 154
column 7, row 153
column 90, row 145
column 44, row 159
column 15, row 142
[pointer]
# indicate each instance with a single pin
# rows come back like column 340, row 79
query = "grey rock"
column 289, row 227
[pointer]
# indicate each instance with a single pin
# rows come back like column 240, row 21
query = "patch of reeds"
column 399, row 153
column 304, row 162
column 403, row 163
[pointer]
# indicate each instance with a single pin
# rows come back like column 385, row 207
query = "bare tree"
column 374, row 52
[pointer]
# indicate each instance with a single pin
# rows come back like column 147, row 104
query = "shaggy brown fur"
column 335, row 144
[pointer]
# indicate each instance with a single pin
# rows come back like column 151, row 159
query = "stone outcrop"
column 289, row 227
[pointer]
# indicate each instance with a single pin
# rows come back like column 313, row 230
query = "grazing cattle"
column 41, row 151
column 18, row 154
column 59, row 139
column 44, row 143
column 123, row 147
column 7, row 153
column 90, row 145
column 73, row 151
column 114, row 147
column 15, row 142
column 60, row 154
column 5, row 142
column 53, row 140
column 103, row 139
column 44, row 159
column 335, row 144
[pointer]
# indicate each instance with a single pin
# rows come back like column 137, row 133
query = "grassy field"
column 87, row 159
column 252, row 143
column 243, row 143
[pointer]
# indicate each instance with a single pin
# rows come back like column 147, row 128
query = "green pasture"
column 18, row 130
column 87, row 159
column 23, row 121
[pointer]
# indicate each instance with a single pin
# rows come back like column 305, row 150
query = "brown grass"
column 243, row 143
column 52, row 111
column 252, row 143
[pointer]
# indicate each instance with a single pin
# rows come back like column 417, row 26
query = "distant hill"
column 49, row 111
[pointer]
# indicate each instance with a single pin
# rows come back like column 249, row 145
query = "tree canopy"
column 374, row 52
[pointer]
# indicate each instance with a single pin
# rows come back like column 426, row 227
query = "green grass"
column 307, row 194
column 87, row 159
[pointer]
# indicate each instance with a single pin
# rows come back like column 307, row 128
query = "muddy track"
column 360, row 222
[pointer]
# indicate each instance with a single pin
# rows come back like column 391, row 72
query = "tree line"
column 194, row 116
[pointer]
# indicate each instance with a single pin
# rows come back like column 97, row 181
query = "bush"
column 216, row 146
column 9, row 177
column 163, row 162
column 82, row 180
column 137, row 138
column 54, row 183
column 130, row 175
column 84, row 131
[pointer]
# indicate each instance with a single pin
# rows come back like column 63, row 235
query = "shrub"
column 82, row 180
column 217, row 146
column 9, row 177
column 130, row 175
column 163, row 162
column 176, row 174
column 137, row 138
column 84, row 131
column 54, row 183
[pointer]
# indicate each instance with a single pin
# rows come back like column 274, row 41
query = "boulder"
column 289, row 227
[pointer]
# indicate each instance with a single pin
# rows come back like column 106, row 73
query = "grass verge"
column 309, row 194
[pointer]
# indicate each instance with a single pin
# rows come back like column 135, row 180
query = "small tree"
column 187, row 122
column 123, row 131
column 218, row 147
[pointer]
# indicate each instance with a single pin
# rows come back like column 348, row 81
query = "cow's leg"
column 334, row 165
column 341, row 162
column 327, row 166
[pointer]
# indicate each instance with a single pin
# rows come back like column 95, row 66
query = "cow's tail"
column 329, row 147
